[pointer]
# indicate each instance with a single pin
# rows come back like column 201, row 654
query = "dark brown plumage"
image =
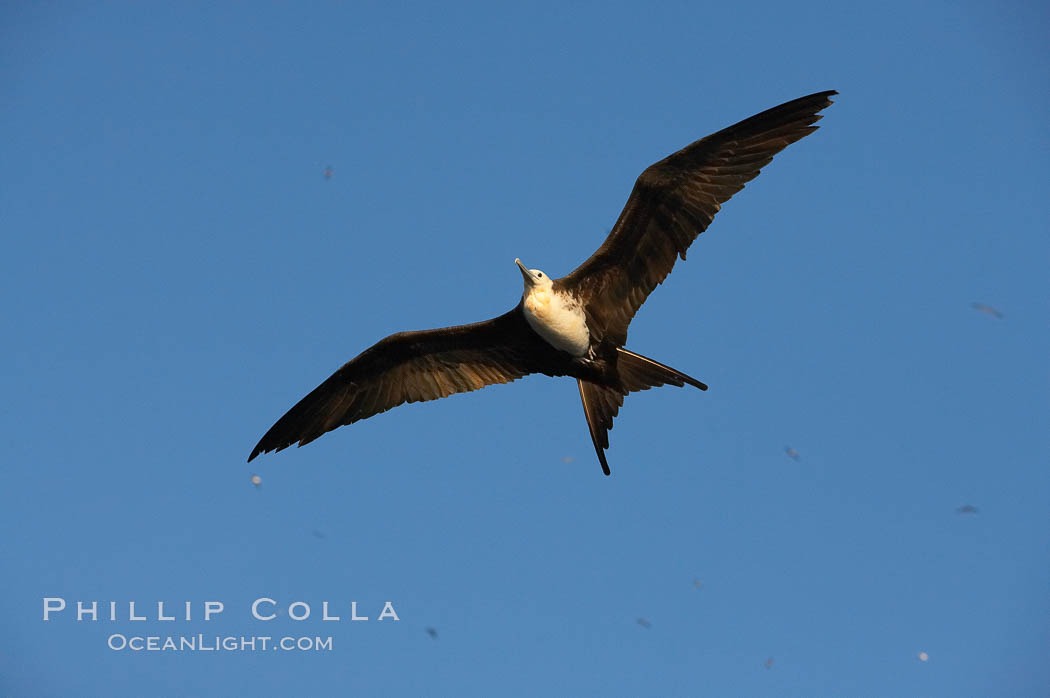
column 673, row 201
column 413, row 367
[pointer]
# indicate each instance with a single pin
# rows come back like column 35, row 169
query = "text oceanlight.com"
column 216, row 643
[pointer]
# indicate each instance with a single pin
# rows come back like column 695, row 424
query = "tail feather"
column 638, row 372
column 601, row 403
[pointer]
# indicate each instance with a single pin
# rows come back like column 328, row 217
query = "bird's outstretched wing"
column 674, row 201
column 413, row 367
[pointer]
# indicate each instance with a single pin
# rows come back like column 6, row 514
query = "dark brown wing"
column 674, row 201
column 412, row 367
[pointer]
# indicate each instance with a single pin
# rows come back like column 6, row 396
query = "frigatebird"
column 573, row 326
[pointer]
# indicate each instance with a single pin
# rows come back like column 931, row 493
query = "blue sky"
column 178, row 272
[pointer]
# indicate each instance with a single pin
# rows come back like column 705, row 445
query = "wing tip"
column 271, row 445
column 258, row 450
column 825, row 95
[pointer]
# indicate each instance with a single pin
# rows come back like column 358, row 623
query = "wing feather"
column 413, row 367
column 674, row 201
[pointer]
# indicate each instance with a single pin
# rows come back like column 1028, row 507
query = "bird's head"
column 534, row 278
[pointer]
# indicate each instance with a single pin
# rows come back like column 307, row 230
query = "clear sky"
column 177, row 272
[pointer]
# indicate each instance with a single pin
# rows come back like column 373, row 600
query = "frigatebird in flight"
column 573, row 326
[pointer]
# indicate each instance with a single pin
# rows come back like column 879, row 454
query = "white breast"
column 559, row 319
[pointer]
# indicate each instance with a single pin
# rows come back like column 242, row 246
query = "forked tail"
column 602, row 402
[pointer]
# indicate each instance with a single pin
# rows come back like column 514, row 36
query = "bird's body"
column 554, row 314
column 573, row 326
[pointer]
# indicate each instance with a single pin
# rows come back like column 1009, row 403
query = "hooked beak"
column 529, row 278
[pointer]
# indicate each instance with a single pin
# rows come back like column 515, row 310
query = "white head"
column 534, row 278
